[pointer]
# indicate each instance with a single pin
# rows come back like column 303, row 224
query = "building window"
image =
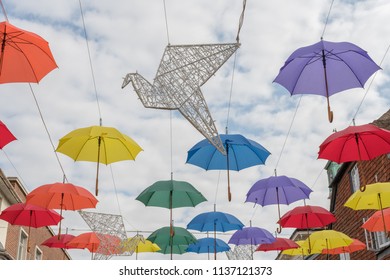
column 345, row 256
column 38, row 254
column 354, row 176
column 22, row 246
column 376, row 241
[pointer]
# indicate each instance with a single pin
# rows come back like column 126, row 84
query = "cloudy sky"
column 128, row 36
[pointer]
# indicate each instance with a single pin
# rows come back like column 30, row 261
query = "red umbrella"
column 24, row 56
column 356, row 245
column 88, row 240
column 356, row 143
column 279, row 244
column 23, row 214
column 5, row 135
column 58, row 241
column 307, row 217
column 63, row 196
column 378, row 221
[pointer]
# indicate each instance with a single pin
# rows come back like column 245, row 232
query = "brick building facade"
column 13, row 239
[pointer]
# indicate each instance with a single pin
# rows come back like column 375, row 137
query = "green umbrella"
column 171, row 194
column 172, row 244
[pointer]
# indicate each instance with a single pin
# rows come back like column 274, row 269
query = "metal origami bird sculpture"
column 183, row 70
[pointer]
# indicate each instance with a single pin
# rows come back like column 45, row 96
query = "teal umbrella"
column 176, row 243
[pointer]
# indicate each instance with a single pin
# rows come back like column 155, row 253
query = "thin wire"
column 2, row 7
column 231, row 92
column 90, row 63
column 16, row 170
column 288, row 133
column 216, row 190
column 369, row 86
column 326, row 21
column 171, row 142
column 166, row 22
column 48, row 134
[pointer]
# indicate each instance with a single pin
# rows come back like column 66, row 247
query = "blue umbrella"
column 215, row 221
column 206, row 245
column 240, row 153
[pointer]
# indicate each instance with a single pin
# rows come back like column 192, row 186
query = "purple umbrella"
column 251, row 236
column 277, row 190
column 326, row 68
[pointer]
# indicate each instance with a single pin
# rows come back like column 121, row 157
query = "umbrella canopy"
column 376, row 197
column 215, row 221
column 171, row 194
column 142, row 245
column 355, row 143
column 379, row 221
column 307, row 216
column 251, row 236
column 356, row 245
column 6, row 136
column 300, row 251
column 23, row 214
column 176, row 244
column 240, row 153
column 208, row 245
column 63, row 196
column 58, row 241
column 24, row 57
column 98, row 144
column 277, row 190
column 87, row 240
column 326, row 68
column 326, row 239
column 279, row 244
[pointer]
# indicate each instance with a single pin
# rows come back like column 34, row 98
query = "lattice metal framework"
column 111, row 232
column 241, row 252
column 183, row 70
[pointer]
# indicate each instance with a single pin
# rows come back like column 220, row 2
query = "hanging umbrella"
column 215, row 221
column 63, row 196
column 57, row 241
column 6, row 136
column 142, row 246
column 251, row 236
column 87, row 240
column 98, row 144
column 208, row 245
column 376, row 196
column 24, row 57
column 279, row 244
column 377, row 222
column 300, row 251
column 308, row 216
column 356, row 245
column 326, row 68
column 277, row 190
column 326, row 239
column 23, row 214
column 176, row 244
column 241, row 153
column 171, row 194
column 356, row 143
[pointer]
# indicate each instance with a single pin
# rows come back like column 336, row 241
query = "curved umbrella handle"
column 279, row 229
column 362, row 188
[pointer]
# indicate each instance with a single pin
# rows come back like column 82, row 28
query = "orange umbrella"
column 24, row 56
column 379, row 221
column 88, row 240
column 109, row 244
column 63, row 196
column 356, row 245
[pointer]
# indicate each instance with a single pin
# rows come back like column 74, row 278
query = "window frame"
column 22, row 245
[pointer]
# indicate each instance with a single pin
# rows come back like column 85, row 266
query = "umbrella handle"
column 279, row 229
column 362, row 188
column 330, row 112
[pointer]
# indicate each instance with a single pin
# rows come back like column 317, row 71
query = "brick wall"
column 349, row 221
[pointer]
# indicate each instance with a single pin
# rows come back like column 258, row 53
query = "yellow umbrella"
column 300, row 251
column 143, row 246
column 326, row 239
column 376, row 196
column 98, row 144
